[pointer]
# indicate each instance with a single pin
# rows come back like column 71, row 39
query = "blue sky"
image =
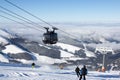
column 68, row 10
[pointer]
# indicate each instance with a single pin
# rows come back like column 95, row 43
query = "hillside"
column 20, row 48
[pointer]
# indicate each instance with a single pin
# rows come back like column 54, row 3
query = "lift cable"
column 18, row 18
column 28, row 13
column 18, row 22
column 73, row 36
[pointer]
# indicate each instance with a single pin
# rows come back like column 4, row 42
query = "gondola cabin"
column 50, row 37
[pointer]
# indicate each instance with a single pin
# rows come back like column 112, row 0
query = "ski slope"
column 47, row 72
column 69, row 47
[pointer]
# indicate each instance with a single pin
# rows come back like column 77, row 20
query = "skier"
column 77, row 70
column 33, row 65
column 83, row 72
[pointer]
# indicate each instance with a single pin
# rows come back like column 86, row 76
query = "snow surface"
column 47, row 60
column 69, row 56
column 69, row 47
column 47, row 72
column 89, row 54
column 13, row 49
column 72, row 49
column 40, row 59
column 3, row 59
column 65, row 54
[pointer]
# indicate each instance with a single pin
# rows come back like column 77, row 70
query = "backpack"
column 83, row 71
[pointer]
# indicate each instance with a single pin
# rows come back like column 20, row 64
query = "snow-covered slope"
column 71, row 48
column 18, row 54
column 66, row 50
column 13, row 49
column 89, row 53
column 65, row 54
column 47, row 60
column 68, row 47
column 3, row 59
column 51, row 73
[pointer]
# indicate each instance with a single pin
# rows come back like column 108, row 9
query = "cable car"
column 50, row 37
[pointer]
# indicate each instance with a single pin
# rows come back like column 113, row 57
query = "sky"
column 74, row 11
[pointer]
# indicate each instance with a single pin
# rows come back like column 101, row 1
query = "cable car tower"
column 50, row 37
column 104, row 51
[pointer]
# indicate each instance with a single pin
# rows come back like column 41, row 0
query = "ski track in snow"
column 27, row 73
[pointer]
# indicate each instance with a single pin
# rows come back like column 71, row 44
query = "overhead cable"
column 18, row 22
column 19, row 16
column 74, row 37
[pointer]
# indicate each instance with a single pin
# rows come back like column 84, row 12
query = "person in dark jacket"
column 77, row 70
column 33, row 65
column 83, row 73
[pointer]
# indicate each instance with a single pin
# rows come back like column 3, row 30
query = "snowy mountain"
column 16, row 53
column 22, row 48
